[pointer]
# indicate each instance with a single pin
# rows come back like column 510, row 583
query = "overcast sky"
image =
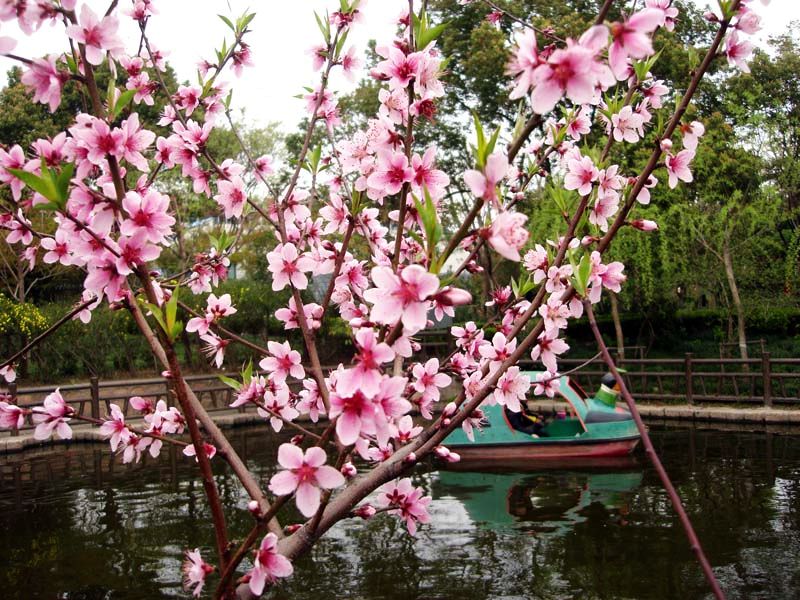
column 282, row 32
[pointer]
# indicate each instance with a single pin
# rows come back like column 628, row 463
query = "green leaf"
column 44, row 184
column 227, row 22
column 324, row 28
column 123, row 100
column 157, row 315
column 230, row 382
column 429, row 35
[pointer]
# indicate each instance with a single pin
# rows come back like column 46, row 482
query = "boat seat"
column 598, row 416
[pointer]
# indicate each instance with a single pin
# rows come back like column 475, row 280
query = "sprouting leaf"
column 227, row 22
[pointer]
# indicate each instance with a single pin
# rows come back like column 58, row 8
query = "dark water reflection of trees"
column 73, row 524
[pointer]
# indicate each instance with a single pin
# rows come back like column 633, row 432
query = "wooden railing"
column 766, row 381
column 93, row 399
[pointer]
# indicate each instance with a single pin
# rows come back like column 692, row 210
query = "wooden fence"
column 764, row 381
column 93, row 399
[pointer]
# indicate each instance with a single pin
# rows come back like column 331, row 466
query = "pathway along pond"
column 76, row 525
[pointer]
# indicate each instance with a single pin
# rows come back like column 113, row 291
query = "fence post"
column 12, row 389
column 687, row 365
column 95, row 391
column 766, row 373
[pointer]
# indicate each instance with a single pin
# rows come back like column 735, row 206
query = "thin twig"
column 674, row 497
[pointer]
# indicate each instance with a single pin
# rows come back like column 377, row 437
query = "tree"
column 104, row 197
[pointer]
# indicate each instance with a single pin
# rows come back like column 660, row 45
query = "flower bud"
column 666, row 145
column 450, row 296
column 254, row 508
column 349, row 470
column 412, row 457
column 710, row 17
column 449, row 410
column 644, row 225
column 297, row 439
column 290, row 529
column 366, row 511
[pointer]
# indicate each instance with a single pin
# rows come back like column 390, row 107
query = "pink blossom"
column 400, row 69
column 57, row 248
column 304, row 475
column 511, row 388
column 484, row 184
column 195, row 570
column 11, row 415
column 13, row 158
column 407, row 501
column 282, row 362
column 573, row 71
column 678, row 167
column 391, row 172
column 287, row 266
column 44, row 79
column 548, row 348
column 581, row 174
column 135, row 251
column 738, row 52
column 631, row 39
column 498, row 351
column 403, row 297
column 147, row 213
column 426, row 176
column 53, row 416
column 216, row 309
column 428, row 379
column 96, row 35
column 231, row 197
column 312, row 312
column 355, row 412
column 215, row 347
column 547, row 384
column 691, row 133
column 669, row 10
column 524, row 63
column 627, row 125
column 209, row 449
column 366, row 375
column 268, row 565
column 115, row 429
column 537, row 261
column 507, row 234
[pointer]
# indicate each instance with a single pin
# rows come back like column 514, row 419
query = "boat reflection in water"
column 549, row 502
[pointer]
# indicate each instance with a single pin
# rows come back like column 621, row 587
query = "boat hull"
column 546, row 450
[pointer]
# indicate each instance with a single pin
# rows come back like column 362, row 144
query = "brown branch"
column 48, row 332
column 674, row 497
column 219, row 439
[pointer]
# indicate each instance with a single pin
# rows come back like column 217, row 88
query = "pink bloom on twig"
column 484, row 184
column 401, row 298
column 195, row 570
column 268, row 565
column 53, row 416
column 304, row 474
column 507, row 234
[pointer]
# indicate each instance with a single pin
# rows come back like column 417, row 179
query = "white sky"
column 282, row 32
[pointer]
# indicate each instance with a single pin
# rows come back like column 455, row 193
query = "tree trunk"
column 617, row 324
column 737, row 301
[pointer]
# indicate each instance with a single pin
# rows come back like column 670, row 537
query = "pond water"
column 75, row 525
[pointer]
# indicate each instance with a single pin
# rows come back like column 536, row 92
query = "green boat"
column 593, row 428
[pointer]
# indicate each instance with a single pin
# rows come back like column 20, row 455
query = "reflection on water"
column 75, row 525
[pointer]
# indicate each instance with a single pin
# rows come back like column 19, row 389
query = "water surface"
column 76, row 525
